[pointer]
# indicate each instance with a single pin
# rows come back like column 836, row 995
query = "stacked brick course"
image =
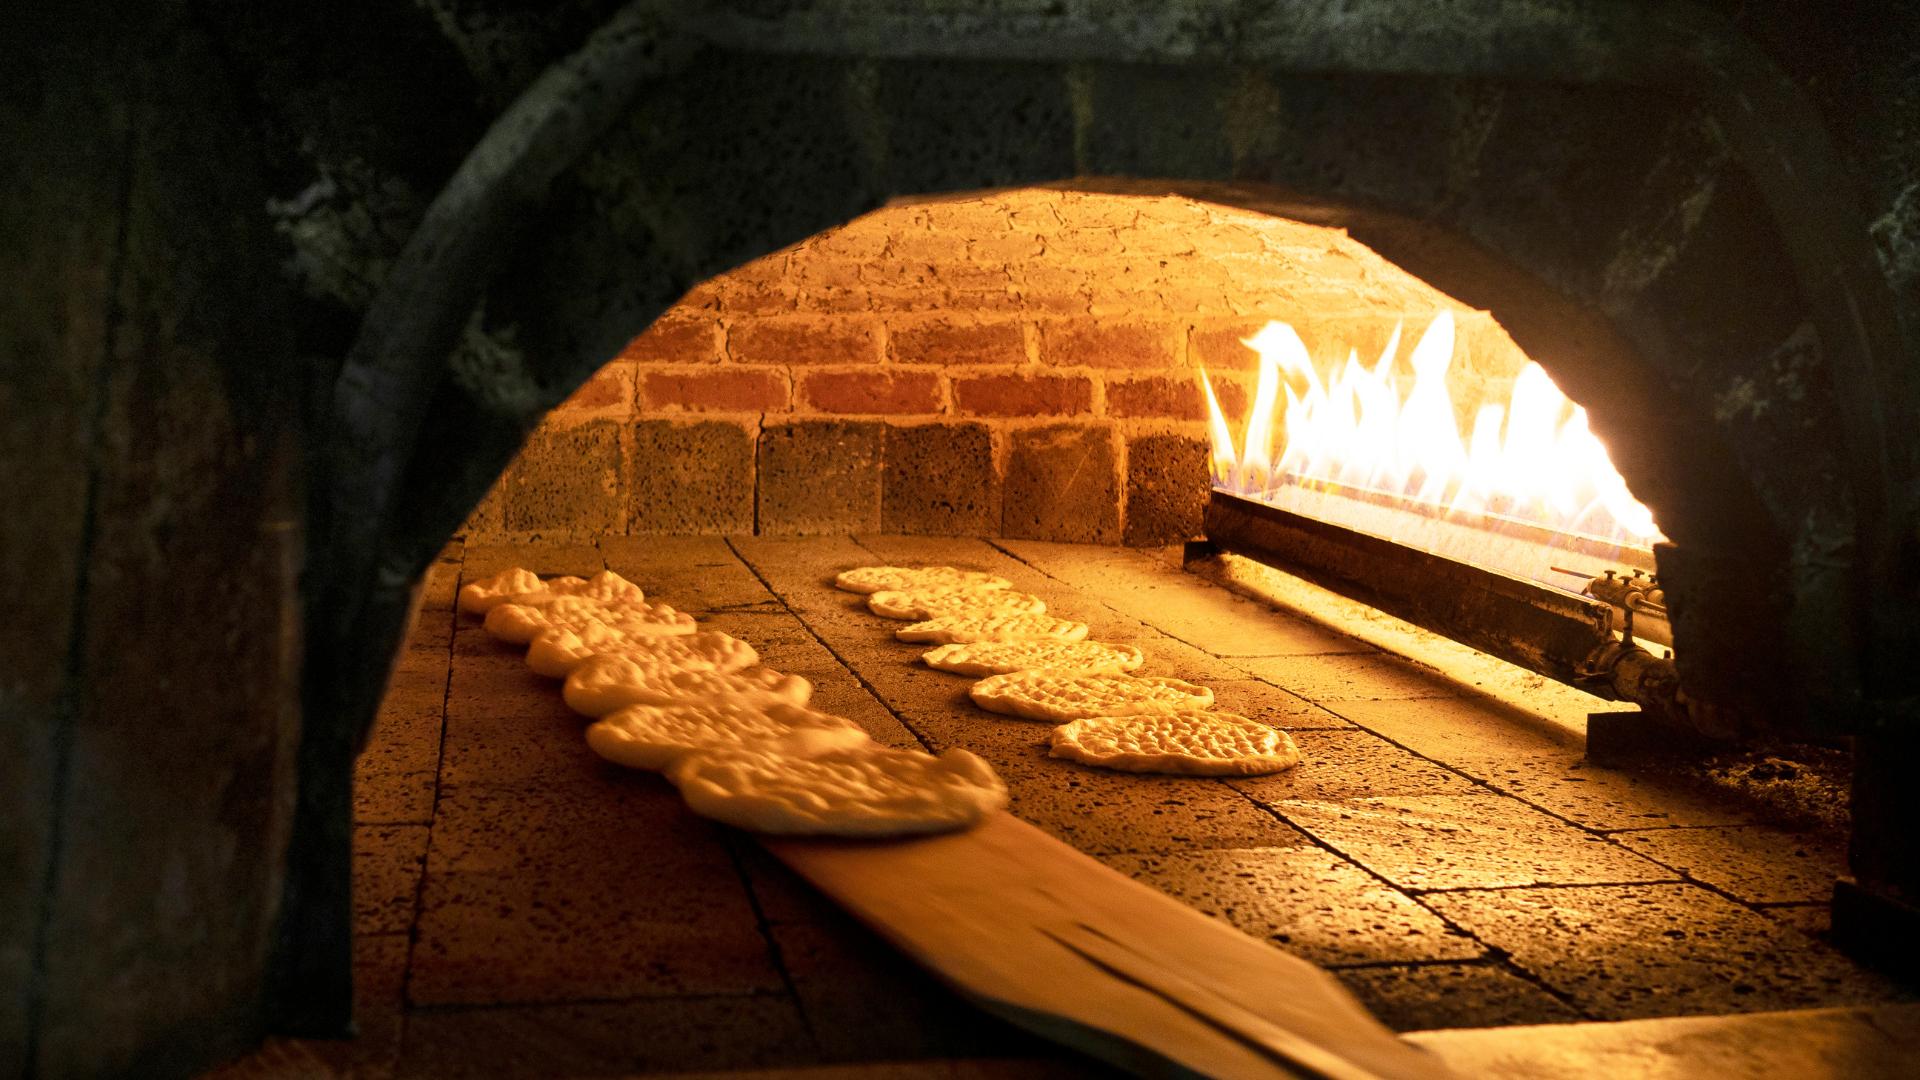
column 1020, row 363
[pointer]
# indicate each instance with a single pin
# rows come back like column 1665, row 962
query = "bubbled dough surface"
column 992, row 626
column 521, row 586
column 1188, row 743
column 873, row 791
column 933, row 601
column 999, row 657
column 556, row 652
column 655, row 736
column 1067, row 695
column 604, row 684
column 870, row 579
column 521, row 623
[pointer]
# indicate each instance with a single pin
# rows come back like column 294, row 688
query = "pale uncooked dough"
column 933, row 601
column 1059, row 696
column 873, row 791
column 991, row 626
column 603, row 684
column 558, row 651
column 520, row 586
column 979, row 658
column 869, row 579
column 521, row 623
column 655, row 736
column 482, row 596
column 1188, row 743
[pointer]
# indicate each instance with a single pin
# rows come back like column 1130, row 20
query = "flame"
column 1354, row 437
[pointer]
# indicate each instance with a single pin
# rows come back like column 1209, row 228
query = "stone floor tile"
column 864, row 1001
column 1758, row 864
column 1465, row 841
column 1813, row 920
column 607, row 1038
column 1305, row 900
column 1352, row 764
column 394, row 798
column 1606, row 799
column 1338, row 679
column 1473, row 734
column 608, row 890
column 692, row 573
column 387, row 861
column 1626, row 951
column 1268, row 704
column 1180, row 605
column 1423, row 997
column 546, row 558
column 1102, row 812
column 379, row 974
column 394, row 775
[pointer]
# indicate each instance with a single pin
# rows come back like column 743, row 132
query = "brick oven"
column 321, row 313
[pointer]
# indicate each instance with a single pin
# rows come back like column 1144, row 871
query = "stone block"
column 940, row 479
column 567, row 480
column 1310, row 902
column 1167, row 486
column 1062, row 483
column 1023, row 395
column 681, row 336
column 1350, row 764
column 387, row 861
column 1595, row 945
column 947, row 340
column 1426, row 997
column 691, row 478
column 819, row 476
column 872, row 393
column 728, row 389
column 1114, row 344
column 1760, row 865
column 801, row 340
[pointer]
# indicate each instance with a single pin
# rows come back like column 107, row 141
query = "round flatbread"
column 872, row 791
column 520, row 586
column 604, row 684
column 1187, row 743
column 992, row 626
column 1059, row 696
column 482, row 596
column 933, row 601
column 655, row 736
column 979, row 658
column 556, row 652
column 870, row 579
column 521, row 623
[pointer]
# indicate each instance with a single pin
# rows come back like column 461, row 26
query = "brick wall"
column 1021, row 364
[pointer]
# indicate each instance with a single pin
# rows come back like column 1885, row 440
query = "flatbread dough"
column 603, row 684
column 521, row 586
column 655, row 736
column 870, row 579
column 556, row 652
column 979, row 658
column 1188, row 743
column 933, row 601
column 521, row 623
column 482, row 596
column 873, row 791
column 1060, row 696
column 992, row 626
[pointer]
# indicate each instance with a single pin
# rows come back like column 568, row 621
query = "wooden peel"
column 1061, row 944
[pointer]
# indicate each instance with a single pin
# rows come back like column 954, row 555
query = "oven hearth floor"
column 526, row 909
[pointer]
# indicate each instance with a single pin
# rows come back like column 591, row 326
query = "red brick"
column 724, row 390
column 611, row 388
column 1082, row 343
column 956, row 341
column 1023, row 395
column 678, row 337
column 886, row 393
column 1177, row 398
column 1219, row 346
column 803, row 341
